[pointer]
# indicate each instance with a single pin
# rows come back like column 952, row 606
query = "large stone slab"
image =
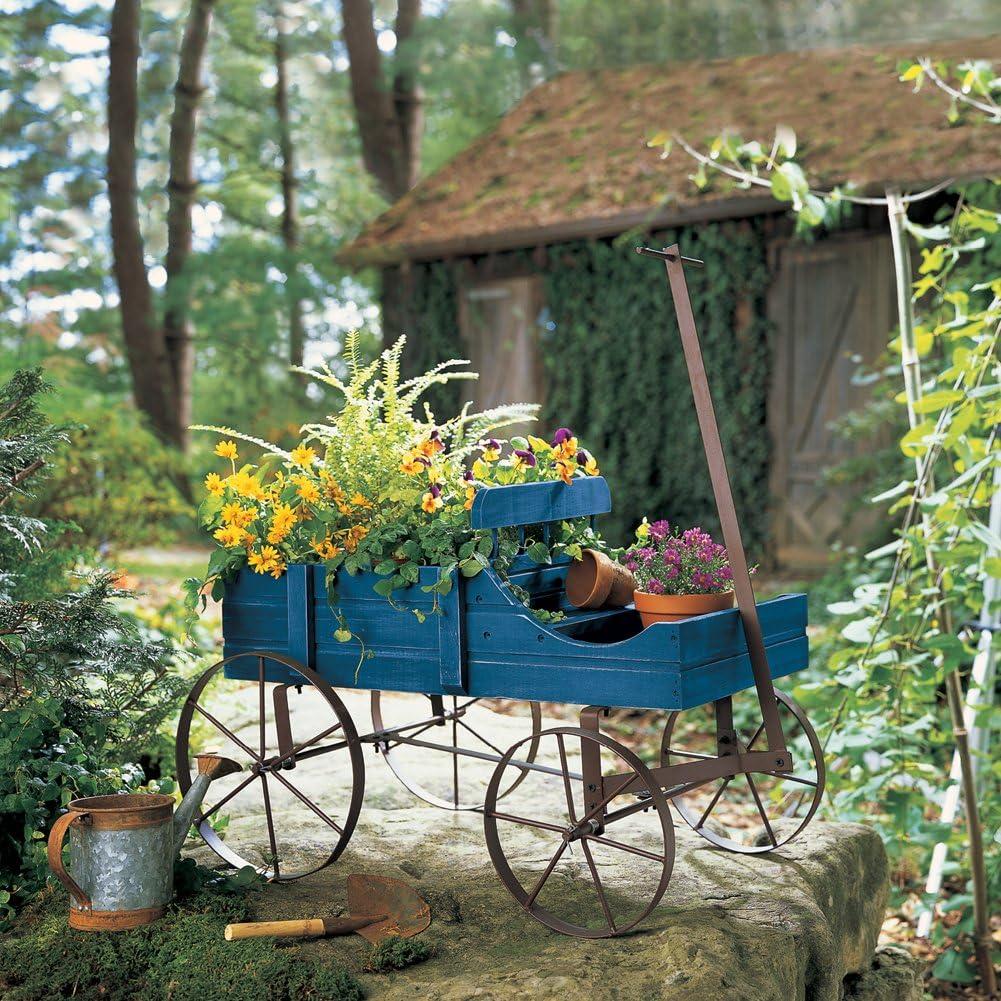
column 789, row 925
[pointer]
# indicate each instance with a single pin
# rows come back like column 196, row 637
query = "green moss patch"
column 182, row 957
column 397, row 953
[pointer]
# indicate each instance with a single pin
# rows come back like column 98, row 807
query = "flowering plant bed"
column 382, row 490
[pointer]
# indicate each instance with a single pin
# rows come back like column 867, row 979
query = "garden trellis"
column 473, row 642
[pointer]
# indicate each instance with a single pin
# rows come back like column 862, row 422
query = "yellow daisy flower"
column 214, row 484
column 227, row 450
column 303, row 455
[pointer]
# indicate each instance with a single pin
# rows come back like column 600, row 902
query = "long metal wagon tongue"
column 380, row 908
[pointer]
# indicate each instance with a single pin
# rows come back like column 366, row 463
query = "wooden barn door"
column 499, row 323
column 833, row 307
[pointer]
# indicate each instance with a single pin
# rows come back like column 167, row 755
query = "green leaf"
column 410, row 572
column 954, row 967
column 444, row 584
column 383, row 587
column 539, row 552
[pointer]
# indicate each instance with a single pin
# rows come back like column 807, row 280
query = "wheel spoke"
column 689, row 754
column 608, row 799
column 792, row 778
column 625, row 848
column 541, row 824
column 566, row 779
column 271, row 824
column 308, row 802
column 761, row 809
column 541, row 882
column 261, row 711
column 222, row 729
column 713, row 802
column 757, row 733
column 208, row 813
column 481, row 738
column 597, row 885
column 299, row 748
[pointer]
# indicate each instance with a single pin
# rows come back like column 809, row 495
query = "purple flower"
column 582, row 458
column 671, row 571
column 725, row 573
column 654, row 586
column 660, row 530
column 435, row 490
column 468, row 476
column 527, row 457
column 562, row 435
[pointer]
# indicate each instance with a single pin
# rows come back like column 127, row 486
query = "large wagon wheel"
column 750, row 812
column 578, row 868
column 292, row 810
column 436, row 774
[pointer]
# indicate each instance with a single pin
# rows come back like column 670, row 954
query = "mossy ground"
column 182, row 957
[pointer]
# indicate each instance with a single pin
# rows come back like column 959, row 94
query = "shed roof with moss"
column 570, row 160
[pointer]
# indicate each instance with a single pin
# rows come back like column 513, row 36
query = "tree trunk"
column 181, row 187
column 290, row 207
column 389, row 124
column 152, row 377
column 408, row 99
column 536, row 29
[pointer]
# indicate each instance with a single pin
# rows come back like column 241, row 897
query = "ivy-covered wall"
column 615, row 369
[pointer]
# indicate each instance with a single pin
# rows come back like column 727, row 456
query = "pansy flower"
column 587, row 462
column 432, row 500
column 414, row 463
column 432, row 445
column 566, row 468
column 523, row 459
column 491, row 449
column 564, row 444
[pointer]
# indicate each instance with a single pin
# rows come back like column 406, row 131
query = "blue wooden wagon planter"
column 748, row 781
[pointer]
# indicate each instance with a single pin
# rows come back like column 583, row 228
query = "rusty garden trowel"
column 380, row 908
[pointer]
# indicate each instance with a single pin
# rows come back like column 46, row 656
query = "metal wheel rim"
column 183, row 770
column 413, row 786
column 513, row 884
column 691, row 817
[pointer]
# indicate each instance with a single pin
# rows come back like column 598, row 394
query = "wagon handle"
column 709, row 429
column 55, row 853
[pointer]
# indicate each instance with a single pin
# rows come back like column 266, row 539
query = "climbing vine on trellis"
column 615, row 371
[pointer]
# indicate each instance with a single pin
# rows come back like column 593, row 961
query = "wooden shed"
column 518, row 255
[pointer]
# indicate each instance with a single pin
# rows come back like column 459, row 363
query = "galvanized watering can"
column 122, row 851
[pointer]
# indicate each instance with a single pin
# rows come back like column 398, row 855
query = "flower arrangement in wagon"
column 381, row 487
column 677, row 573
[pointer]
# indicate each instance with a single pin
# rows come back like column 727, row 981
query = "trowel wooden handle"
column 304, row 928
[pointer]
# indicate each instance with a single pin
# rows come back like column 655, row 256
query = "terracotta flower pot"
column 595, row 581
column 672, row 607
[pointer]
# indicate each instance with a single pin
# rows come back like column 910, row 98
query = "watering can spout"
column 210, row 766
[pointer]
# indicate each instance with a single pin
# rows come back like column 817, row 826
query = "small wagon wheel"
column 292, row 809
column 750, row 812
column 441, row 726
column 592, row 871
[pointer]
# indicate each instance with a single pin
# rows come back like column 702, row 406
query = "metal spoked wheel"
column 582, row 865
column 430, row 729
column 293, row 808
column 750, row 812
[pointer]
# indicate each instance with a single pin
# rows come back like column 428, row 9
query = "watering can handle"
column 55, row 850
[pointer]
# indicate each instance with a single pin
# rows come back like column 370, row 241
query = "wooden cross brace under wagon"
column 577, row 823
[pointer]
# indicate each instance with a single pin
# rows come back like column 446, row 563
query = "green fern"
column 226, row 432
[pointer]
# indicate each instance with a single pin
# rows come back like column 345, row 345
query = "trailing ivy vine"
column 615, row 371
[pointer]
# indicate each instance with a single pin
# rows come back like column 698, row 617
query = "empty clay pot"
column 672, row 607
column 595, row 581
